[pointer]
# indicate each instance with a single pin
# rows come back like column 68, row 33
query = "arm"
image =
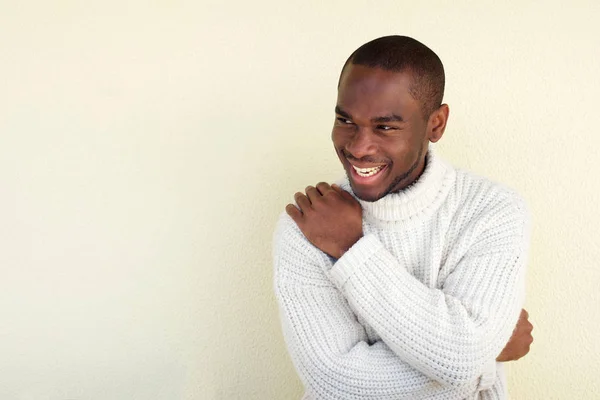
column 452, row 334
column 330, row 349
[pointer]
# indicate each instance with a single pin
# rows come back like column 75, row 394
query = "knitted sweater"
column 421, row 305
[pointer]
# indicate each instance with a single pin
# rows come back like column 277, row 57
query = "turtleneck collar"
column 418, row 200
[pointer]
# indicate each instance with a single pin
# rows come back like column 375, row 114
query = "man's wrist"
column 352, row 259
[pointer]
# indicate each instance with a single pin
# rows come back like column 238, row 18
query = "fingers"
column 345, row 195
column 529, row 327
column 313, row 194
column 324, row 188
column 294, row 212
column 302, row 201
column 524, row 320
column 524, row 328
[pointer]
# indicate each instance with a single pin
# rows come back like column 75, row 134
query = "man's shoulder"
column 483, row 197
column 286, row 228
column 286, row 232
column 490, row 215
column 296, row 260
column 288, row 238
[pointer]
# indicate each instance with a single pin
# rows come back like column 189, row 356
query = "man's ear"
column 437, row 123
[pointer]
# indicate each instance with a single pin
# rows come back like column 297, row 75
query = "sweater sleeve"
column 452, row 334
column 329, row 347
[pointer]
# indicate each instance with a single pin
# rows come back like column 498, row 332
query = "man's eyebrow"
column 388, row 118
column 379, row 120
column 341, row 112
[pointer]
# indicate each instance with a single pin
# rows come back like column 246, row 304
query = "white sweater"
column 421, row 305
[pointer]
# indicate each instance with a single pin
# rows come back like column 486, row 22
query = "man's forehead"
column 373, row 91
column 364, row 77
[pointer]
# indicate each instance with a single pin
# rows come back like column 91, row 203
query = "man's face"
column 380, row 134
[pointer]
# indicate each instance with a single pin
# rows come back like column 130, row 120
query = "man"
column 406, row 281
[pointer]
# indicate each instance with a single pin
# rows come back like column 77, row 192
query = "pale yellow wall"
column 146, row 149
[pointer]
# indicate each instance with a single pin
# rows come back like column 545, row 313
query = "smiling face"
column 380, row 133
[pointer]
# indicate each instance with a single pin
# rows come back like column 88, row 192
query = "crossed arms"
column 435, row 343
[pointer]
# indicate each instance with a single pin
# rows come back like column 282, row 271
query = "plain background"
column 147, row 149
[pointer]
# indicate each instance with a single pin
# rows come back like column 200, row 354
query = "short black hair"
column 405, row 54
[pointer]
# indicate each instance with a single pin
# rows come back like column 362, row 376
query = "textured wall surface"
column 147, row 148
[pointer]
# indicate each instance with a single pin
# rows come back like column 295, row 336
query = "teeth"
column 367, row 171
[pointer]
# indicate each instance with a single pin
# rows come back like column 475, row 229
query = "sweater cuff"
column 356, row 256
column 488, row 377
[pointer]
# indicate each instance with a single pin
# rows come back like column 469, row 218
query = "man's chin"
column 366, row 195
column 371, row 188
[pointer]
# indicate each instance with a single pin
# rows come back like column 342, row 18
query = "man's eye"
column 385, row 127
column 344, row 121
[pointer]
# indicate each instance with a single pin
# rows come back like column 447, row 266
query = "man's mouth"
column 367, row 172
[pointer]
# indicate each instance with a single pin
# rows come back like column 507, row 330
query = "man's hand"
column 519, row 342
column 329, row 217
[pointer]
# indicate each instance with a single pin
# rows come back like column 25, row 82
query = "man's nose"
column 362, row 143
